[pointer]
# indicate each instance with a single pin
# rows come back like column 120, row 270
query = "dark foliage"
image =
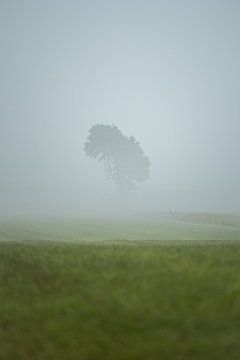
column 122, row 157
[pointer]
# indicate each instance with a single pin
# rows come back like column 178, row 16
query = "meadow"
column 150, row 286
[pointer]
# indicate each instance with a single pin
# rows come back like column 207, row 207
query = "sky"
column 165, row 72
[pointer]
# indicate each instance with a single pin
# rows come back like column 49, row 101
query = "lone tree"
column 122, row 157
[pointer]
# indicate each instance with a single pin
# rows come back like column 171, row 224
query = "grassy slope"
column 119, row 300
column 149, row 226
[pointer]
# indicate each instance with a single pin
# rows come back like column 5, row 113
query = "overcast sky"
column 166, row 72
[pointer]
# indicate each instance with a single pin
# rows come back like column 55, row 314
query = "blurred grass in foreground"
column 120, row 300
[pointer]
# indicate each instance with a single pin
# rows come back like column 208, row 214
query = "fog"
column 165, row 72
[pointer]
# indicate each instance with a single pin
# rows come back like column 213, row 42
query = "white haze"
column 166, row 72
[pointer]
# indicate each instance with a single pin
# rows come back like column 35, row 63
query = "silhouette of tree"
column 122, row 157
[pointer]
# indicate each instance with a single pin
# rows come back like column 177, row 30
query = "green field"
column 147, row 286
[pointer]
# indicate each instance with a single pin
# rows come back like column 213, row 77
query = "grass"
column 116, row 299
column 139, row 226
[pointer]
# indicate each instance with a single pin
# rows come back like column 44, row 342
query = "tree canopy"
column 123, row 158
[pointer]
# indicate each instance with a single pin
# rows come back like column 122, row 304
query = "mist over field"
column 166, row 73
column 119, row 179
